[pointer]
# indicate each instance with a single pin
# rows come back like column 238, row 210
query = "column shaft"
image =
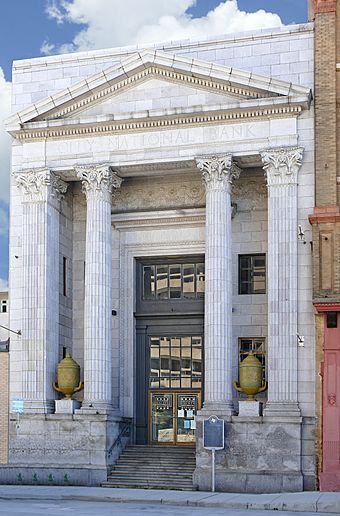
column 40, row 322
column 98, row 182
column 218, row 173
column 281, row 167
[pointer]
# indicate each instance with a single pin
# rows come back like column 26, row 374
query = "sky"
column 33, row 28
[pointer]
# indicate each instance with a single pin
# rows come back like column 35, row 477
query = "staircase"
column 154, row 467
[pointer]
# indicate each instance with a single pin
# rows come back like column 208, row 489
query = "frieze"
column 249, row 193
column 151, row 195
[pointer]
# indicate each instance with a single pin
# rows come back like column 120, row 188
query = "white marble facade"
column 141, row 152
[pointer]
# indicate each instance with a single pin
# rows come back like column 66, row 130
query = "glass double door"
column 172, row 417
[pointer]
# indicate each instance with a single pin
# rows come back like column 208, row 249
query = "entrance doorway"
column 172, row 417
column 169, row 350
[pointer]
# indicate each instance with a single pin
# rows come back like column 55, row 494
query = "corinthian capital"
column 98, row 180
column 281, row 165
column 218, row 172
column 41, row 185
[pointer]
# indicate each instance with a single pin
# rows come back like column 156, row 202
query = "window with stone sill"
column 252, row 274
column 255, row 345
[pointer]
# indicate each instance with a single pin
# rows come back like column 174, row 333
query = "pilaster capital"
column 281, row 165
column 40, row 185
column 218, row 171
column 98, row 181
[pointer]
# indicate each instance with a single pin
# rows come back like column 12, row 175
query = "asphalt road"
column 68, row 508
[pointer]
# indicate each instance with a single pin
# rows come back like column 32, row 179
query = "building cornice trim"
column 169, row 122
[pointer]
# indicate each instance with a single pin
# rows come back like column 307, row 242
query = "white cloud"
column 47, row 48
column 5, row 110
column 111, row 23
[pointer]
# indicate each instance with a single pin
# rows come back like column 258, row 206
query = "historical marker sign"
column 213, row 433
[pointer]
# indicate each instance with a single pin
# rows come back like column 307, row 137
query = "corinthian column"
column 218, row 173
column 42, row 191
column 281, row 167
column 98, row 183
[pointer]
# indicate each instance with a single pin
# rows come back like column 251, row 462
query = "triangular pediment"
column 159, row 84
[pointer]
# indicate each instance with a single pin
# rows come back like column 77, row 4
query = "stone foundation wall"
column 61, row 449
column 261, row 455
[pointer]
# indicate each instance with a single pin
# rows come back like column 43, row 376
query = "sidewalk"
column 299, row 502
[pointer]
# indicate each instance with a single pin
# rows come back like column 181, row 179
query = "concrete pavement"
column 294, row 502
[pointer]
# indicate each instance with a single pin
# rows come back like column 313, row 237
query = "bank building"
column 159, row 234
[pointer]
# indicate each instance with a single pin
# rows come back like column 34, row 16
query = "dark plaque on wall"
column 213, row 433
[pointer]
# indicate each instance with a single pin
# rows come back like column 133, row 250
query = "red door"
column 330, row 476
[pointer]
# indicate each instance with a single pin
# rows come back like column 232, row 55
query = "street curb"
column 315, row 502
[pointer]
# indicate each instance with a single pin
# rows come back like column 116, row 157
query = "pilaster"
column 42, row 192
column 98, row 181
column 218, row 174
column 281, row 167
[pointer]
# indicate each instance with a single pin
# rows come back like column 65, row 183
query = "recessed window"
column 173, row 281
column 4, row 306
column 252, row 274
column 257, row 346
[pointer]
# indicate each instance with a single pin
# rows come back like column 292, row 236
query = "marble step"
column 154, row 467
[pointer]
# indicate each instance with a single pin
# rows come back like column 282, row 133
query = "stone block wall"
column 261, row 455
column 4, row 406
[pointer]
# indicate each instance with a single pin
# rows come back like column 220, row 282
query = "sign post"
column 213, row 439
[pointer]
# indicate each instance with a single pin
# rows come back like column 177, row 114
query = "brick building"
column 326, row 238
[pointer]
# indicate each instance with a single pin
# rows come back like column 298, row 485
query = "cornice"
column 99, row 128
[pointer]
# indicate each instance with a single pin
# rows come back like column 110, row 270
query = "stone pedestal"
column 249, row 408
column 98, row 183
column 63, row 449
column 66, row 406
column 218, row 173
column 260, row 456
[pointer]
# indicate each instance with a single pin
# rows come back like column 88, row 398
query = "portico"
column 110, row 185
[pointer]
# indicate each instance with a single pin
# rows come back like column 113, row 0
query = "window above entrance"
column 173, row 281
column 170, row 285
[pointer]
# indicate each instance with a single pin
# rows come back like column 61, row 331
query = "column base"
column 96, row 407
column 281, row 409
column 211, row 408
column 38, row 406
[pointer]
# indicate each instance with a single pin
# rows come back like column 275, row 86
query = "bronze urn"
column 251, row 381
column 68, row 377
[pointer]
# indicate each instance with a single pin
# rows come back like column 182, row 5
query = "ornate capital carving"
column 41, row 185
column 99, row 181
column 218, row 172
column 281, row 165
